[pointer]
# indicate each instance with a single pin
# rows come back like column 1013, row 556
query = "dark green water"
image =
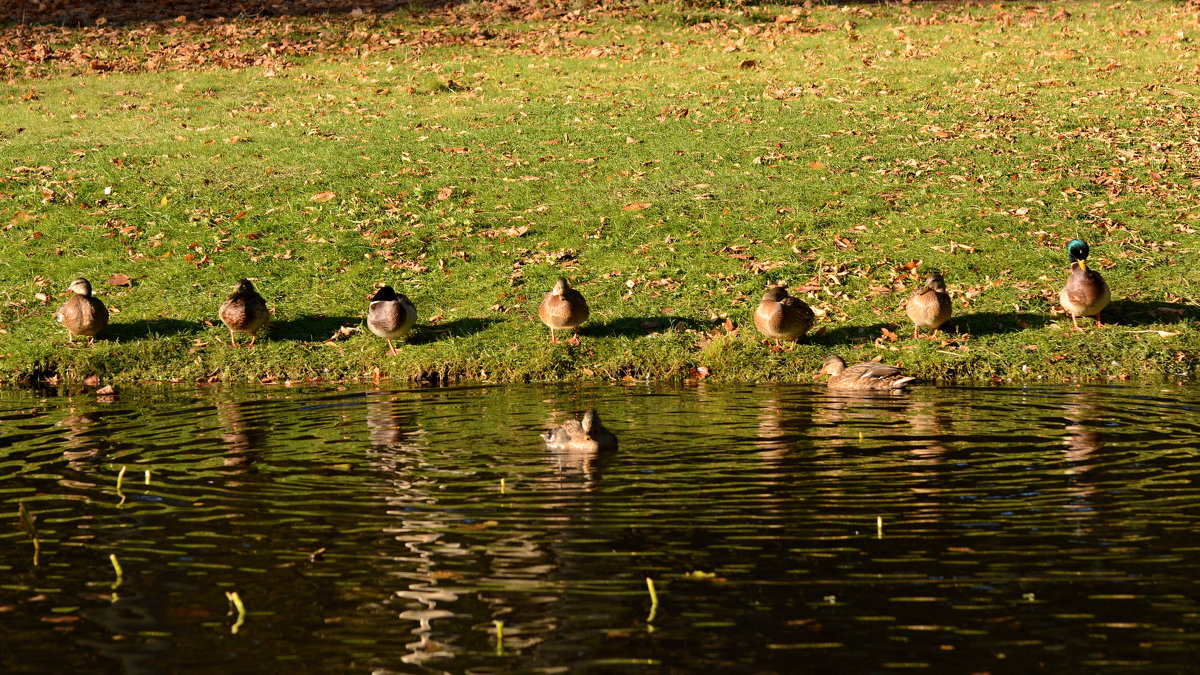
column 1038, row 529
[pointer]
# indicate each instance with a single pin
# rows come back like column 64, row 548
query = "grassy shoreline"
column 670, row 160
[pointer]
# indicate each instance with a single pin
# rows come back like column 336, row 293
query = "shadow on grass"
column 1139, row 313
column 993, row 323
column 310, row 328
column 147, row 328
column 456, row 328
column 843, row 335
column 637, row 326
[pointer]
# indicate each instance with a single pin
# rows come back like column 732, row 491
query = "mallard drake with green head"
column 391, row 316
column 82, row 314
column 244, row 311
column 1086, row 292
column 782, row 316
column 563, row 308
column 868, row 376
column 586, row 435
column 929, row 305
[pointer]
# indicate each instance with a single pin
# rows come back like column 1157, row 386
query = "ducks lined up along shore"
column 778, row 316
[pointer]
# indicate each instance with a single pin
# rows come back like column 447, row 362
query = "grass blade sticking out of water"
column 120, row 479
column 236, row 601
column 112, row 558
column 653, row 602
column 28, row 527
column 499, row 636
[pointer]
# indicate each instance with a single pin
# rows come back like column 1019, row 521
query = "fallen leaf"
column 119, row 280
column 323, row 196
column 445, row 193
column 636, row 206
column 106, row 390
column 342, row 333
column 815, row 166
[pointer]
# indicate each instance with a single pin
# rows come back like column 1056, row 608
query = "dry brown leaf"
column 322, row 196
column 118, row 279
column 445, row 193
column 636, row 206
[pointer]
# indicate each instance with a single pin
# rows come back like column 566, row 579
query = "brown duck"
column 391, row 316
column 929, row 305
column 563, row 308
column 244, row 311
column 1086, row 292
column 782, row 316
column 82, row 314
column 865, row 377
column 588, row 435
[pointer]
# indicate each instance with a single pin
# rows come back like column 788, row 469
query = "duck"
column 586, row 435
column 563, row 308
column 1086, row 292
column 782, row 316
column 391, row 316
column 244, row 311
column 868, row 376
column 929, row 306
column 82, row 314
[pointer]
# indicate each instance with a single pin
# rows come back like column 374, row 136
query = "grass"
column 671, row 160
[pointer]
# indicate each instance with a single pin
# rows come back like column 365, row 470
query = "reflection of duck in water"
column 782, row 428
column 238, row 431
column 863, row 377
column 79, row 441
column 1080, row 440
column 389, row 421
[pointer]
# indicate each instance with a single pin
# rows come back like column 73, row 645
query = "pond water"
column 959, row 529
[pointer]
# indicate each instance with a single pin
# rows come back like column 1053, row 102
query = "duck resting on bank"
column 1086, row 292
column 782, row 316
column 563, row 308
column 929, row 305
column 82, row 314
column 391, row 316
column 244, row 311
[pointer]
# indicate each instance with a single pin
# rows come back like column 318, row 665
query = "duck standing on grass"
column 244, row 311
column 1086, row 292
column 865, row 377
column 563, row 308
column 587, row 435
column 391, row 316
column 782, row 316
column 82, row 314
column 929, row 305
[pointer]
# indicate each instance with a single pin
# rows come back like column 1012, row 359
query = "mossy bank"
column 670, row 160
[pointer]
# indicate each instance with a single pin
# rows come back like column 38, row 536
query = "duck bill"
column 1083, row 265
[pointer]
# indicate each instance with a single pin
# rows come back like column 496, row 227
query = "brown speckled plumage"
column 563, row 308
column 929, row 306
column 244, row 311
column 781, row 316
column 864, row 377
column 588, row 435
column 82, row 314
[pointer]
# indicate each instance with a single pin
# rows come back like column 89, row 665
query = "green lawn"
column 670, row 160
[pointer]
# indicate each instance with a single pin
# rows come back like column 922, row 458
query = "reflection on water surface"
column 370, row 530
